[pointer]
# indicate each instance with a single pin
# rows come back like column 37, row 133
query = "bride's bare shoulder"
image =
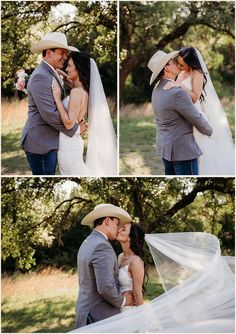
column 78, row 91
column 196, row 74
column 136, row 261
column 79, row 94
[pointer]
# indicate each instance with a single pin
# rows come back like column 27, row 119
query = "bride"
column 218, row 156
column 131, row 262
column 199, row 289
column 86, row 98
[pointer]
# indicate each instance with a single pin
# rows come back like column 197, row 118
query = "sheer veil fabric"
column 224, row 164
column 198, row 284
column 101, row 157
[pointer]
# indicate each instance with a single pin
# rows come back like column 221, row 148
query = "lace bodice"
column 125, row 281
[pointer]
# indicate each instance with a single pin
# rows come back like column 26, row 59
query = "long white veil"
column 199, row 285
column 101, row 157
column 225, row 162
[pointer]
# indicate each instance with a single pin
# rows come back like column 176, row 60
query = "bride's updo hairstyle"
column 190, row 57
column 82, row 65
column 137, row 236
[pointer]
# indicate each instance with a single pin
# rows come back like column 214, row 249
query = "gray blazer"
column 98, row 280
column 41, row 131
column 175, row 116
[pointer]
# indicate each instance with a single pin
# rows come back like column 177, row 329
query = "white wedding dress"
column 210, row 162
column 101, row 157
column 199, row 287
column 70, row 153
column 218, row 156
column 125, row 282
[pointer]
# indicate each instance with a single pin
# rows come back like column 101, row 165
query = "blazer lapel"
column 46, row 66
column 63, row 92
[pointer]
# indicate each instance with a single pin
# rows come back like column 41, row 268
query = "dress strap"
column 132, row 258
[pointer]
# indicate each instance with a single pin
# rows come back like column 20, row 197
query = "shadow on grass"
column 13, row 158
column 138, row 141
column 11, row 141
column 44, row 316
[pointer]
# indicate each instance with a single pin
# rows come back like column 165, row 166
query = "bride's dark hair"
column 190, row 57
column 137, row 236
column 82, row 65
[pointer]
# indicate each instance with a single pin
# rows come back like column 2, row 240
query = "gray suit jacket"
column 41, row 132
column 175, row 116
column 98, row 280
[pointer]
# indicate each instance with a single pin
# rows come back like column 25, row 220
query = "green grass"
column 44, row 315
column 154, row 289
column 39, row 303
column 13, row 159
column 138, row 154
column 231, row 118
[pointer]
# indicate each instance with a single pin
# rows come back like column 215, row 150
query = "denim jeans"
column 42, row 164
column 186, row 167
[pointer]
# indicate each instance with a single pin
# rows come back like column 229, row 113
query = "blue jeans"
column 42, row 164
column 186, row 167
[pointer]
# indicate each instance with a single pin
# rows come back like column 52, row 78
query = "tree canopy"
column 41, row 216
column 148, row 26
column 90, row 26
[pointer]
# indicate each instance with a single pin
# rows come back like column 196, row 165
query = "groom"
column 40, row 136
column 175, row 117
column 99, row 297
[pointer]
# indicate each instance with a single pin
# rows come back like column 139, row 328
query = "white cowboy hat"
column 106, row 210
column 50, row 41
column 158, row 62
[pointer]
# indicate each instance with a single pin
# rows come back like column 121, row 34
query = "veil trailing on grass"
column 221, row 131
column 101, row 158
column 199, row 289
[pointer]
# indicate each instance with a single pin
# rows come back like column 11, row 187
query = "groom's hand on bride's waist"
column 129, row 297
column 83, row 127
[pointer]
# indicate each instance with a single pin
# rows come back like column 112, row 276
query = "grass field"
column 45, row 302
column 137, row 141
column 14, row 115
column 138, row 155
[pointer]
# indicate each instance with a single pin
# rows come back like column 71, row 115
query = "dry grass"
column 134, row 110
column 39, row 284
column 39, row 302
column 14, row 115
column 45, row 301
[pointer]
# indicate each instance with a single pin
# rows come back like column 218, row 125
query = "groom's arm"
column 185, row 107
column 103, row 264
column 41, row 91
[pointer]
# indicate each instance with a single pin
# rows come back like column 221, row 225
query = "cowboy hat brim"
column 162, row 64
column 108, row 211
column 44, row 45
